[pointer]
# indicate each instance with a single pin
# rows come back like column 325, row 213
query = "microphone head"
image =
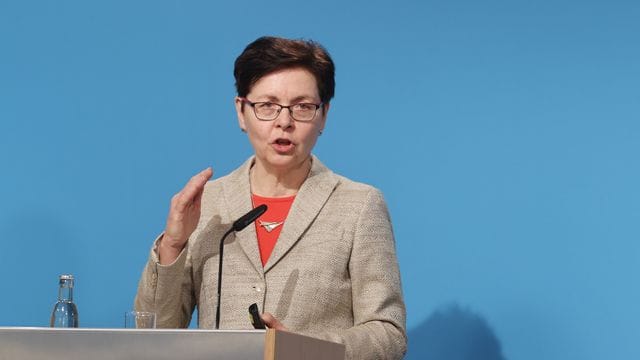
column 249, row 217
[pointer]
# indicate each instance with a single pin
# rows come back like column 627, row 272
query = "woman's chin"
column 284, row 160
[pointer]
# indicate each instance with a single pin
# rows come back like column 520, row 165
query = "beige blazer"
column 333, row 273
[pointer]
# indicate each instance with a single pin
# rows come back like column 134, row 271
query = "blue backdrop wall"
column 504, row 134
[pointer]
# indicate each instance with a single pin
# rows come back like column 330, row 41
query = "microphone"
column 238, row 225
column 249, row 217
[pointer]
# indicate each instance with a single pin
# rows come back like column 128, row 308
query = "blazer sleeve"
column 167, row 290
column 379, row 330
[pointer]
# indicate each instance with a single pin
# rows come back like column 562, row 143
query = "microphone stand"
column 238, row 225
column 220, row 276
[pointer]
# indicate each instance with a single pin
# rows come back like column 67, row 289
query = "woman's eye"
column 267, row 105
column 305, row 107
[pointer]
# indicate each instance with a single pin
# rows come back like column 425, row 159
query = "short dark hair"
column 269, row 54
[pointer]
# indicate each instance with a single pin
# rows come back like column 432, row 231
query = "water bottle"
column 65, row 312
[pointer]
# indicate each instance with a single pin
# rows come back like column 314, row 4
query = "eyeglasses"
column 268, row 111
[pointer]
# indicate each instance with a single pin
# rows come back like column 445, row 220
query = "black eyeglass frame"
column 288, row 107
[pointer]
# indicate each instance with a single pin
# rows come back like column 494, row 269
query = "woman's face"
column 282, row 143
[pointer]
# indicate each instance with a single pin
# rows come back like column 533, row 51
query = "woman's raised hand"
column 184, row 214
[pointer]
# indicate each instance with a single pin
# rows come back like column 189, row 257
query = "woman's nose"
column 284, row 119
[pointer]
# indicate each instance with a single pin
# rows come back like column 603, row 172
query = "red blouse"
column 269, row 225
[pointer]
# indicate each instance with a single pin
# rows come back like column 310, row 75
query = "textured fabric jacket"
column 333, row 273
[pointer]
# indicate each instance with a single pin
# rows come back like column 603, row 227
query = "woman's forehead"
column 286, row 84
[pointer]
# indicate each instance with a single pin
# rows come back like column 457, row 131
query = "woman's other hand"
column 183, row 218
column 272, row 322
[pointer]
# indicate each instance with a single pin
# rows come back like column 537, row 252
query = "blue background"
column 504, row 134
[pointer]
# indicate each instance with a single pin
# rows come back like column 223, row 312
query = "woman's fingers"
column 183, row 217
column 184, row 212
column 189, row 194
column 272, row 322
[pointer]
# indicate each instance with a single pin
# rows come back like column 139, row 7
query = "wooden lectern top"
column 159, row 344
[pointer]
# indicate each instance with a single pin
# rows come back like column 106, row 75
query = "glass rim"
column 143, row 313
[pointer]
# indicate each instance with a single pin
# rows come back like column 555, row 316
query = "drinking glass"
column 139, row 320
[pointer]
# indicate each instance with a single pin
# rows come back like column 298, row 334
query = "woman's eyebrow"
column 295, row 100
column 302, row 98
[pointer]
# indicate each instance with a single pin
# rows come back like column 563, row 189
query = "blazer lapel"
column 237, row 193
column 309, row 201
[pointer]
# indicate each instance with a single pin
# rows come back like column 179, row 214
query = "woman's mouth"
column 283, row 145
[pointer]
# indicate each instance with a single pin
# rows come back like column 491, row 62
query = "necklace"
column 270, row 225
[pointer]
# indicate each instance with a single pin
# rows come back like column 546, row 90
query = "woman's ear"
column 240, row 112
column 325, row 110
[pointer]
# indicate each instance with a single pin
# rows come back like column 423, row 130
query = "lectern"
column 159, row 344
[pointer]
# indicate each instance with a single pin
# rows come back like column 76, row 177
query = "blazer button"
column 258, row 288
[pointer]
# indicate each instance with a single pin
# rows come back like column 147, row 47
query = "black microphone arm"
column 238, row 225
column 249, row 217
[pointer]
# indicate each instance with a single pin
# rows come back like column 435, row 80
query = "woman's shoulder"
column 351, row 199
column 365, row 195
column 347, row 184
column 343, row 183
column 348, row 188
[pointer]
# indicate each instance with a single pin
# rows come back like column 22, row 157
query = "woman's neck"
column 273, row 182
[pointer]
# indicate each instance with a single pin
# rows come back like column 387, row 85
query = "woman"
column 321, row 261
